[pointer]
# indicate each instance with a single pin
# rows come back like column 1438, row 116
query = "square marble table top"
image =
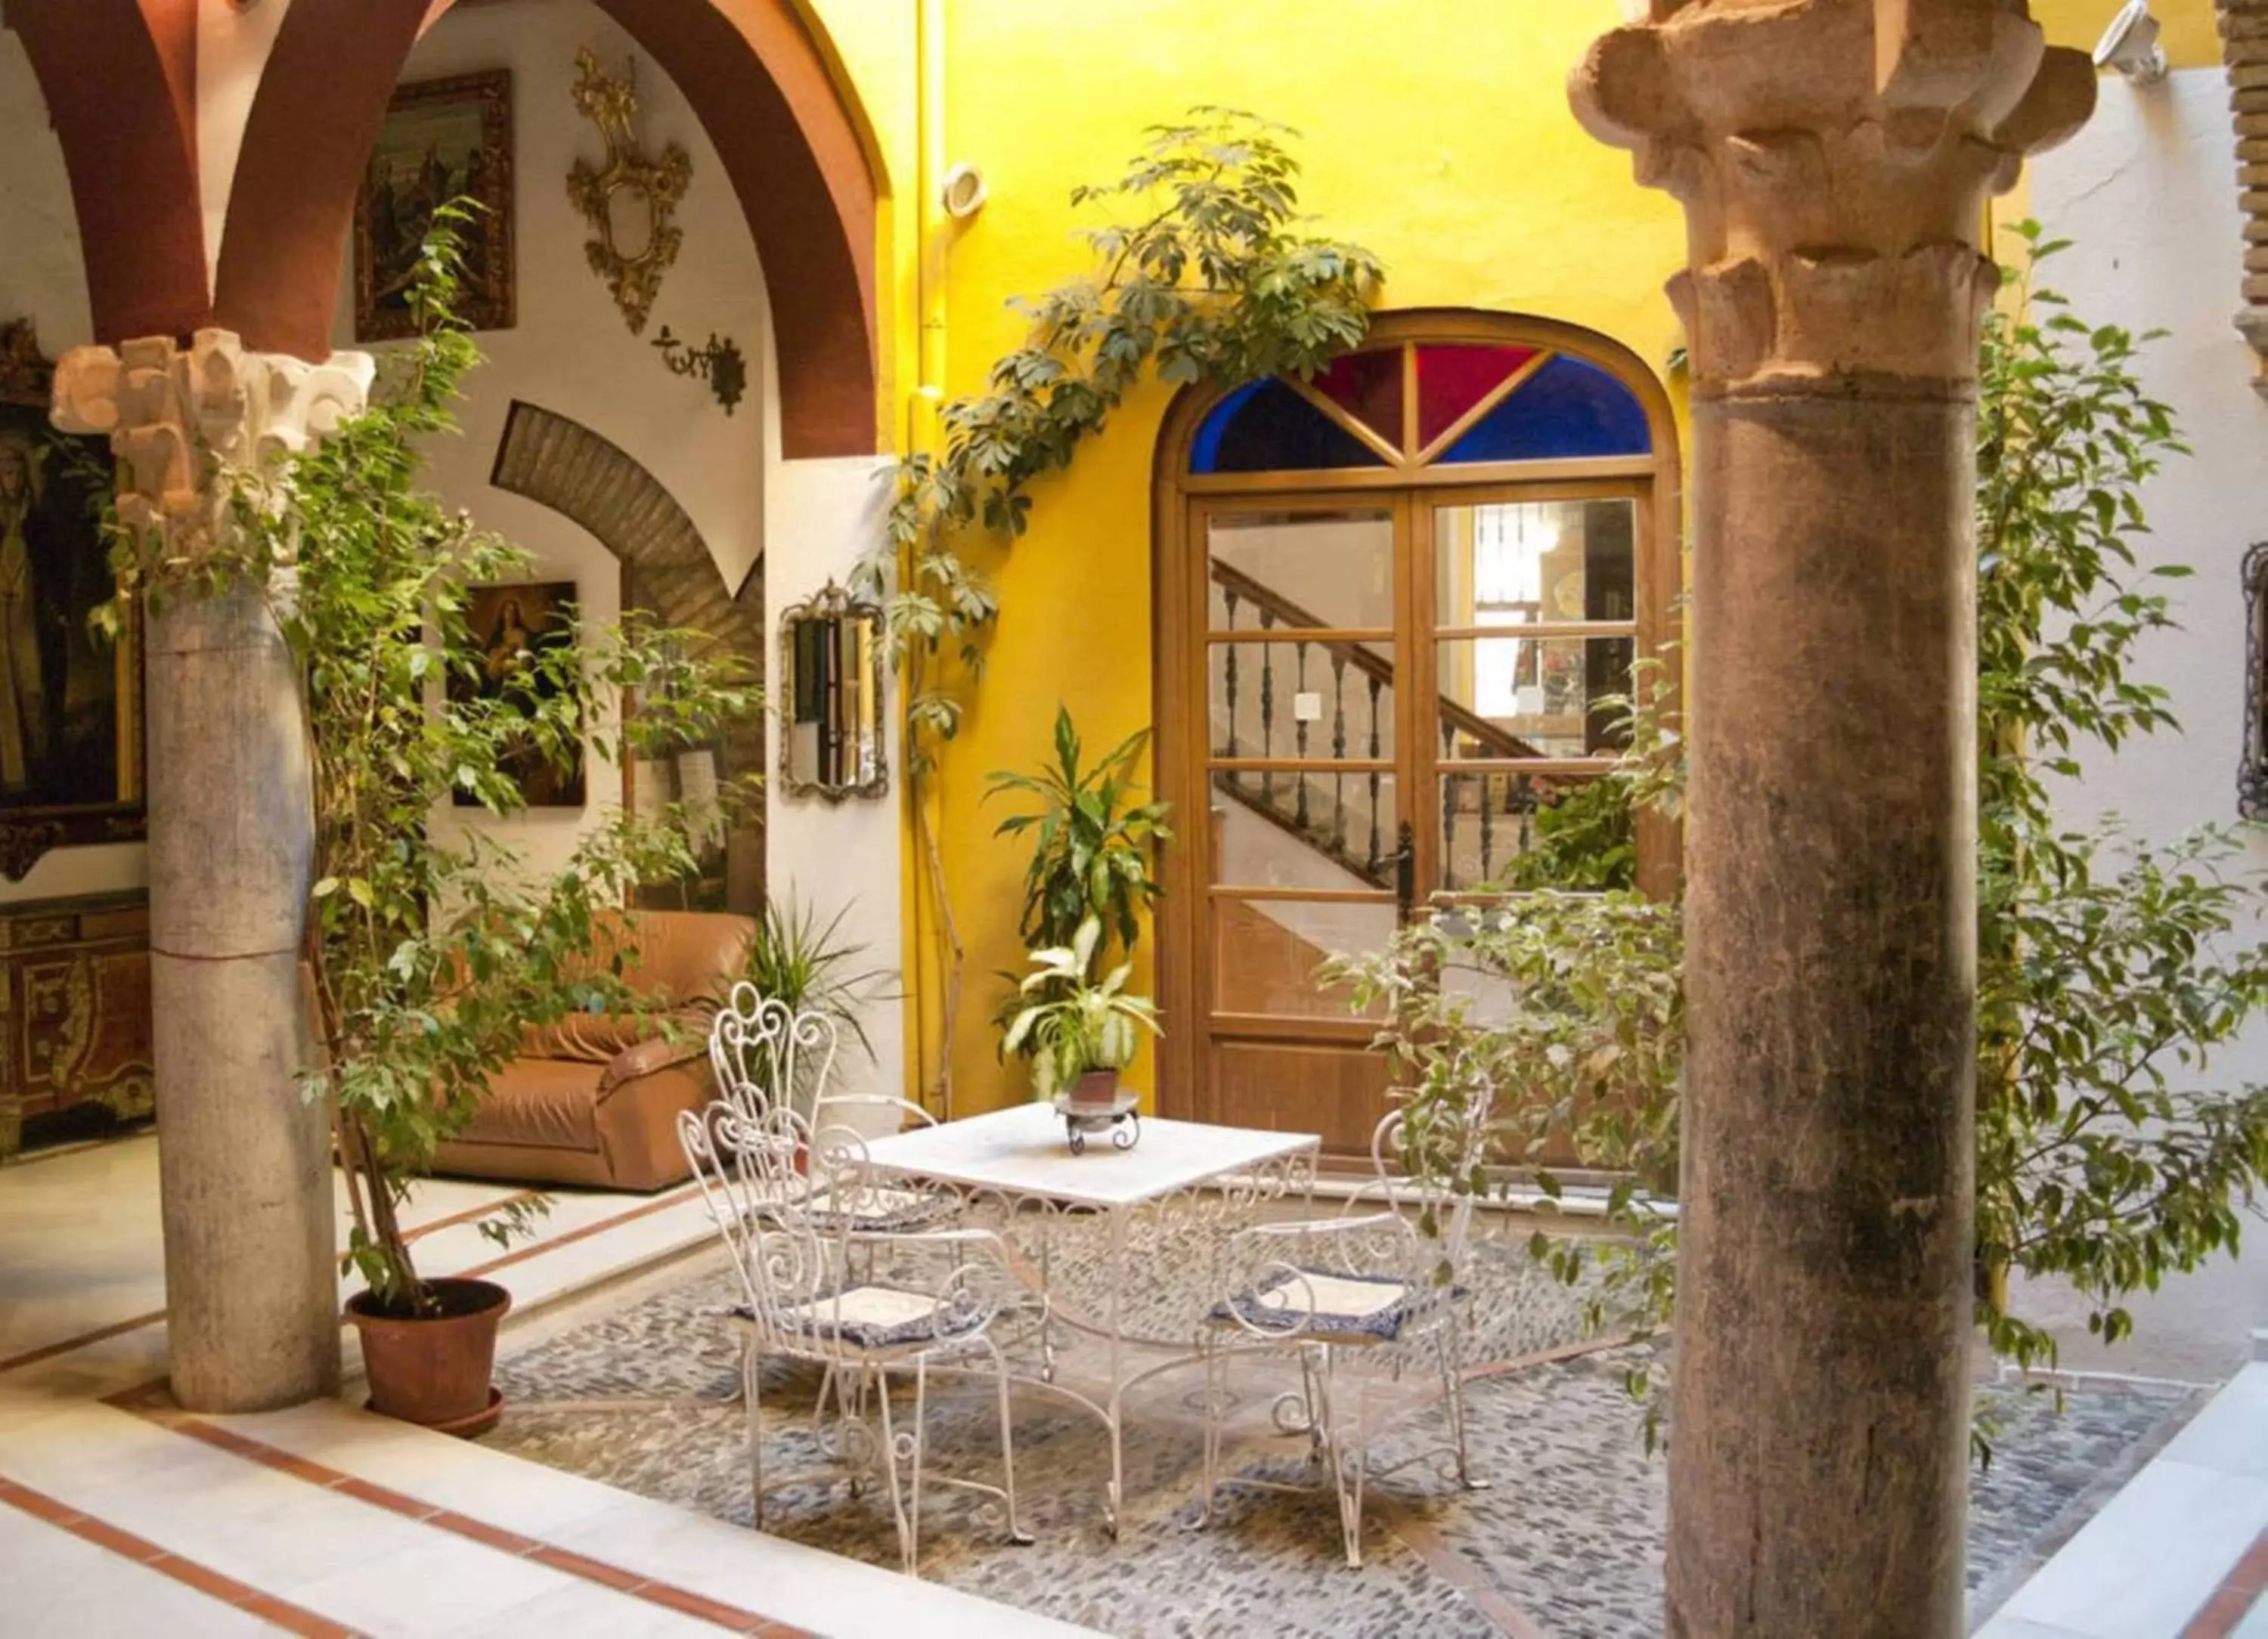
column 1026, row 1151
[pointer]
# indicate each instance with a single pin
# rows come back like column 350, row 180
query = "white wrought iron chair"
column 1379, row 1282
column 763, row 1052
column 930, row 1311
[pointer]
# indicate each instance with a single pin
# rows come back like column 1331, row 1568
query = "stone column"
column 244, row 1159
column 1833, row 157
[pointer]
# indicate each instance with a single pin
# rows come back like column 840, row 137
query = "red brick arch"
column 754, row 76
column 120, row 80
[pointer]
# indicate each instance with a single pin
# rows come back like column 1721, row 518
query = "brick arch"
column 558, row 462
column 782, row 125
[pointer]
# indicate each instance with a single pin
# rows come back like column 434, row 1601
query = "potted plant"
column 431, row 947
column 806, row 964
column 1081, row 1034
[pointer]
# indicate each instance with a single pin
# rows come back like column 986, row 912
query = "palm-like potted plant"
column 1081, row 1034
column 431, row 947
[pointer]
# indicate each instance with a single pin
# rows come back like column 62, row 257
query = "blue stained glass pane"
column 1566, row 408
column 1265, row 427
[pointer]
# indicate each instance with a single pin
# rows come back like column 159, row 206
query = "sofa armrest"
column 645, row 1058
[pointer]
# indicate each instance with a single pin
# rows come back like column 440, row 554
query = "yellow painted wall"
column 2187, row 26
column 1438, row 134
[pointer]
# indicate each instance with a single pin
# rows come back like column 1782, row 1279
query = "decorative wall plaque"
column 630, row 255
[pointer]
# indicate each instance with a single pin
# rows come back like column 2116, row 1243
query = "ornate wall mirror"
column 830, row 697
column 2252, row 772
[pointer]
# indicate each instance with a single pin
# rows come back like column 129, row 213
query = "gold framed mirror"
column 830, row 697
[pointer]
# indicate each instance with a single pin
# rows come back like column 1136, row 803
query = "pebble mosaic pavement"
column 1568, row 1536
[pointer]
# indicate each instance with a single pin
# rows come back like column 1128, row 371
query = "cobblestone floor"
column 1567, row 1537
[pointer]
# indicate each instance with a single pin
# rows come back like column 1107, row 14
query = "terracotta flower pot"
column 1096, row 1090
column 434, row 1370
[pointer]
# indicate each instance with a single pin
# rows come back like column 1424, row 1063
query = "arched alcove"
column 559, row 463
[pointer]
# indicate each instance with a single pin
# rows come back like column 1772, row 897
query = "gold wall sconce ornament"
column 631, row 264
column 720, row 363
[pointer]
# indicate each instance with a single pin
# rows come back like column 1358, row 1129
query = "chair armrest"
column 643, row 1059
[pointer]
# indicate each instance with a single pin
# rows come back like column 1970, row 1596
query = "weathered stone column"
column 1833, row 157
column 250, row 1281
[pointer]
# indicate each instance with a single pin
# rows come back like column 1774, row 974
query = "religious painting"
column 71, row 734
column 513, row 626
column 442, row 140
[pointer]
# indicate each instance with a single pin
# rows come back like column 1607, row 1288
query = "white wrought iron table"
column 1178, row 1176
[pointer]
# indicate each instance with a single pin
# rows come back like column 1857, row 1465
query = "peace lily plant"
column 1075, row 1026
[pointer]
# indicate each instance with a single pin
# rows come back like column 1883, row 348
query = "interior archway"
column 558, row 462
column 757, row 80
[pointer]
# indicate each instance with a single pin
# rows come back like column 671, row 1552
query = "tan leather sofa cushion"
column 681, row 956
column 547, row 1104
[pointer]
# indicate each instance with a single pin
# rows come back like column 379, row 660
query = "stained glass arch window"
column 1419, row 403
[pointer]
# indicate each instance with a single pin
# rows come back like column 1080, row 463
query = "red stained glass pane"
column 1452, row 379
column 1367, row 386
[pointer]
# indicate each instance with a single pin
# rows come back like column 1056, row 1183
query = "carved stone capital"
column 178, row 420
column 1833, row 157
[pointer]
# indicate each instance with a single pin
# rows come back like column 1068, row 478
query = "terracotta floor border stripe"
column 2244, row 1586
column 48, row 1351
column 731, row 1618
column 119, row 1328
column 146, row 1554
column 536, row 1249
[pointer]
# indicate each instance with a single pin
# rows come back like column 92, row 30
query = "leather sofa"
column 594, row 1098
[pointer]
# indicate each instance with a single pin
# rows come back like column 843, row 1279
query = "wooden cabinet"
column 74, row 1010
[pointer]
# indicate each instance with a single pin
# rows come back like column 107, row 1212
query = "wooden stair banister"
column 1497, row 741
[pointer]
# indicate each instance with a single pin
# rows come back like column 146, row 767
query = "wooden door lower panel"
column 1339, row 1091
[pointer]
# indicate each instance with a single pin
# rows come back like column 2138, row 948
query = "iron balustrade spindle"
column 1299, row 717
column 1267, row 708
column 1375, row 855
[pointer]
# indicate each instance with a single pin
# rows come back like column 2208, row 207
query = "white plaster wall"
column 820, row 516
column 569, row 350
column 2148, row 193
column 43, row 276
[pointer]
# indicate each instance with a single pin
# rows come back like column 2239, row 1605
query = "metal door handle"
column 1405, row 872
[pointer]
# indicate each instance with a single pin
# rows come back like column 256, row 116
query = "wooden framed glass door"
column 1390, row 624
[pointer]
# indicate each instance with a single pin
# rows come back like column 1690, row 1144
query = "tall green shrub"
column 2112, row 971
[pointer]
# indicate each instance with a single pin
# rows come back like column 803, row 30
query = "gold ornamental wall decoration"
column 633, row 272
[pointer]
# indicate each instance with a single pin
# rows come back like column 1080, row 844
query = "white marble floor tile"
column 2140, row 1567
column 59, row 1586
column 803, row 1586
column 2231, row 1433
column 446, row 1583
column 435, row 1469
column 586, row 1611
column 2006, row 1627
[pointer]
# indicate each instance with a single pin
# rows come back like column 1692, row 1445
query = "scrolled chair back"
column 764, row 1052
column 1424, row 1162
column 748, row 1168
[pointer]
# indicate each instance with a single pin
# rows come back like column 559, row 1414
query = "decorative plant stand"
column 1119, row 1118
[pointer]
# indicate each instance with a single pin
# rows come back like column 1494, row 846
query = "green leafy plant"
column 798, row 960
column 2112, row 969
column 1201, row 276
column 1073, row 1024
column 2111, row 972
column 1090, row 845
column 432, row 954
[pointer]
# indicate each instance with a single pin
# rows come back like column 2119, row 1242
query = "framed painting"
column 71, row 729
column 442, row 139
column 511, row 623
